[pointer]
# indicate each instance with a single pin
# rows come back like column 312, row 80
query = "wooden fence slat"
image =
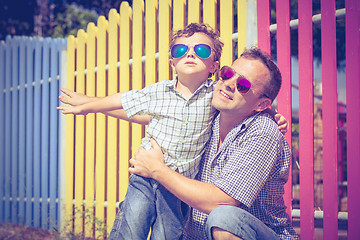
column 112, row 140
column 30, row 45
column 329, row 109
column 164, row 38
column 68, row 159
column 137, row 75
column 14, row 129
column 193, row 11
column 79, row 134
column 100, row 122
column 53, row 130
column 263, row 24
column 124, row 86
column 2, row 129
column 353, row 116
column 209, row 13
column 7, row 129
column 226, row 30
column 90, row 131
column 37, row 131
column 178, row 14
column 150, row 41
column 306, row 124
column 22, row 124
column 45, row 99
column 284, row 64
column 242, row 25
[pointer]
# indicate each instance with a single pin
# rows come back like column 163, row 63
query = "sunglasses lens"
column 226, row 73
column 202, row 51
column 178, row 50
column 243, row 85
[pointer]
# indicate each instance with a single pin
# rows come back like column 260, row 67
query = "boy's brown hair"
column 192, row 28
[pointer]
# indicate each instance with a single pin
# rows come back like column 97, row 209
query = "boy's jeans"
column 238, row 222
column 148, row 204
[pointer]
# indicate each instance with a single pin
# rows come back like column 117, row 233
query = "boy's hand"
column 76, row 110
column 281, row 122
column 147, row 162
column 74, row 98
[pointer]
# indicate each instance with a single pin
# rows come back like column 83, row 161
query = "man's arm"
column 200, row 195
column 76, row 99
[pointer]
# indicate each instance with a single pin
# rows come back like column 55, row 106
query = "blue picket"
column 45, row 133
column 2, row 129
column 29, row 128
column 54, row 69
column 36, row 136
column 14, row 129
column 7, row 113
column 22, row 117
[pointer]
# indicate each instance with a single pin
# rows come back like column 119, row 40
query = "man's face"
column 228, row 99
column 190, row 65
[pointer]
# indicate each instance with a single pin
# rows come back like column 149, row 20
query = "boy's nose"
column 191, row 52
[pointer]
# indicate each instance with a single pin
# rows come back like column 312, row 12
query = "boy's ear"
column 171, row 62
column 215, row 66
column 263, row 104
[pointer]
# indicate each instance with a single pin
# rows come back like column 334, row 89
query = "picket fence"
column 130, row 51
column 29, row 130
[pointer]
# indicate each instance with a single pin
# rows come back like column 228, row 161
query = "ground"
column 19, row 232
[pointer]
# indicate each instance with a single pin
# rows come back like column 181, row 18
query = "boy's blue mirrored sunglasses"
column 201, row 50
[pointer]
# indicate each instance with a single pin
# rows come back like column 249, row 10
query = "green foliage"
column 71, row 20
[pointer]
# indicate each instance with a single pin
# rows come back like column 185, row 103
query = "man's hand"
column 74, row 98
column 147, row 162
column 282, row 123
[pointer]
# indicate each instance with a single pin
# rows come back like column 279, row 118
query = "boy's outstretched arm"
column 75, row 99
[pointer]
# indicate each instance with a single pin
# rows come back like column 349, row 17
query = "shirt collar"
column 172, row 84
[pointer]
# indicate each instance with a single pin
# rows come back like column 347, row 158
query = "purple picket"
column 263, row 21
column 2, row 130
column 329, row 105
column 306, row 122
column 284, row 64
column 353, row 114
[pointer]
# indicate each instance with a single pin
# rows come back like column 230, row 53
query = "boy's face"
column 190, row 66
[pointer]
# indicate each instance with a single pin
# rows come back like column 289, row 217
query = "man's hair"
column 192, row 28
column 273, row 86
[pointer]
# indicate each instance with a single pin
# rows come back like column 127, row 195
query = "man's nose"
column 231, row 83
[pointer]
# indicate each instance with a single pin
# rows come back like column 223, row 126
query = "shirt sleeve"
column 137, row 101
column 247, row 169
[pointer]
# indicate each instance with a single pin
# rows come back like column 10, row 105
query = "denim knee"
column 238, row 222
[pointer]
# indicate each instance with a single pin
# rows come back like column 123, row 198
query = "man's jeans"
column 238, row 222
column 148, row 204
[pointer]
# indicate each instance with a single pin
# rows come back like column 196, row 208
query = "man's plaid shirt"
column 181, row 126
column 252, row 166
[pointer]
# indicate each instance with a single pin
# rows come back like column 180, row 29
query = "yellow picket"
column 241, row 22
column 137, row 79
column 193, row 11
column 164, row 34
column 90, row 131
column 150, row 41
column 209, row 12
column 79, row 133
column 112, row 156
column 124, row 144
column 100, row 124
column 226, row 30
column 178, row 14
column 67, row 223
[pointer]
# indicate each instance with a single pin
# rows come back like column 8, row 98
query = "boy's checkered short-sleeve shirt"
column 181, row 126
column 251, row 166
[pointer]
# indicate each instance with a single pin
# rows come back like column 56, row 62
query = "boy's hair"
column 273, row 86
column 192, row 28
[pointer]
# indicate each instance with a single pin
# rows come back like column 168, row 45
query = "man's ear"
column 263, row 104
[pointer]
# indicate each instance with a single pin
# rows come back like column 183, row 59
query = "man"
column 245, row 165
